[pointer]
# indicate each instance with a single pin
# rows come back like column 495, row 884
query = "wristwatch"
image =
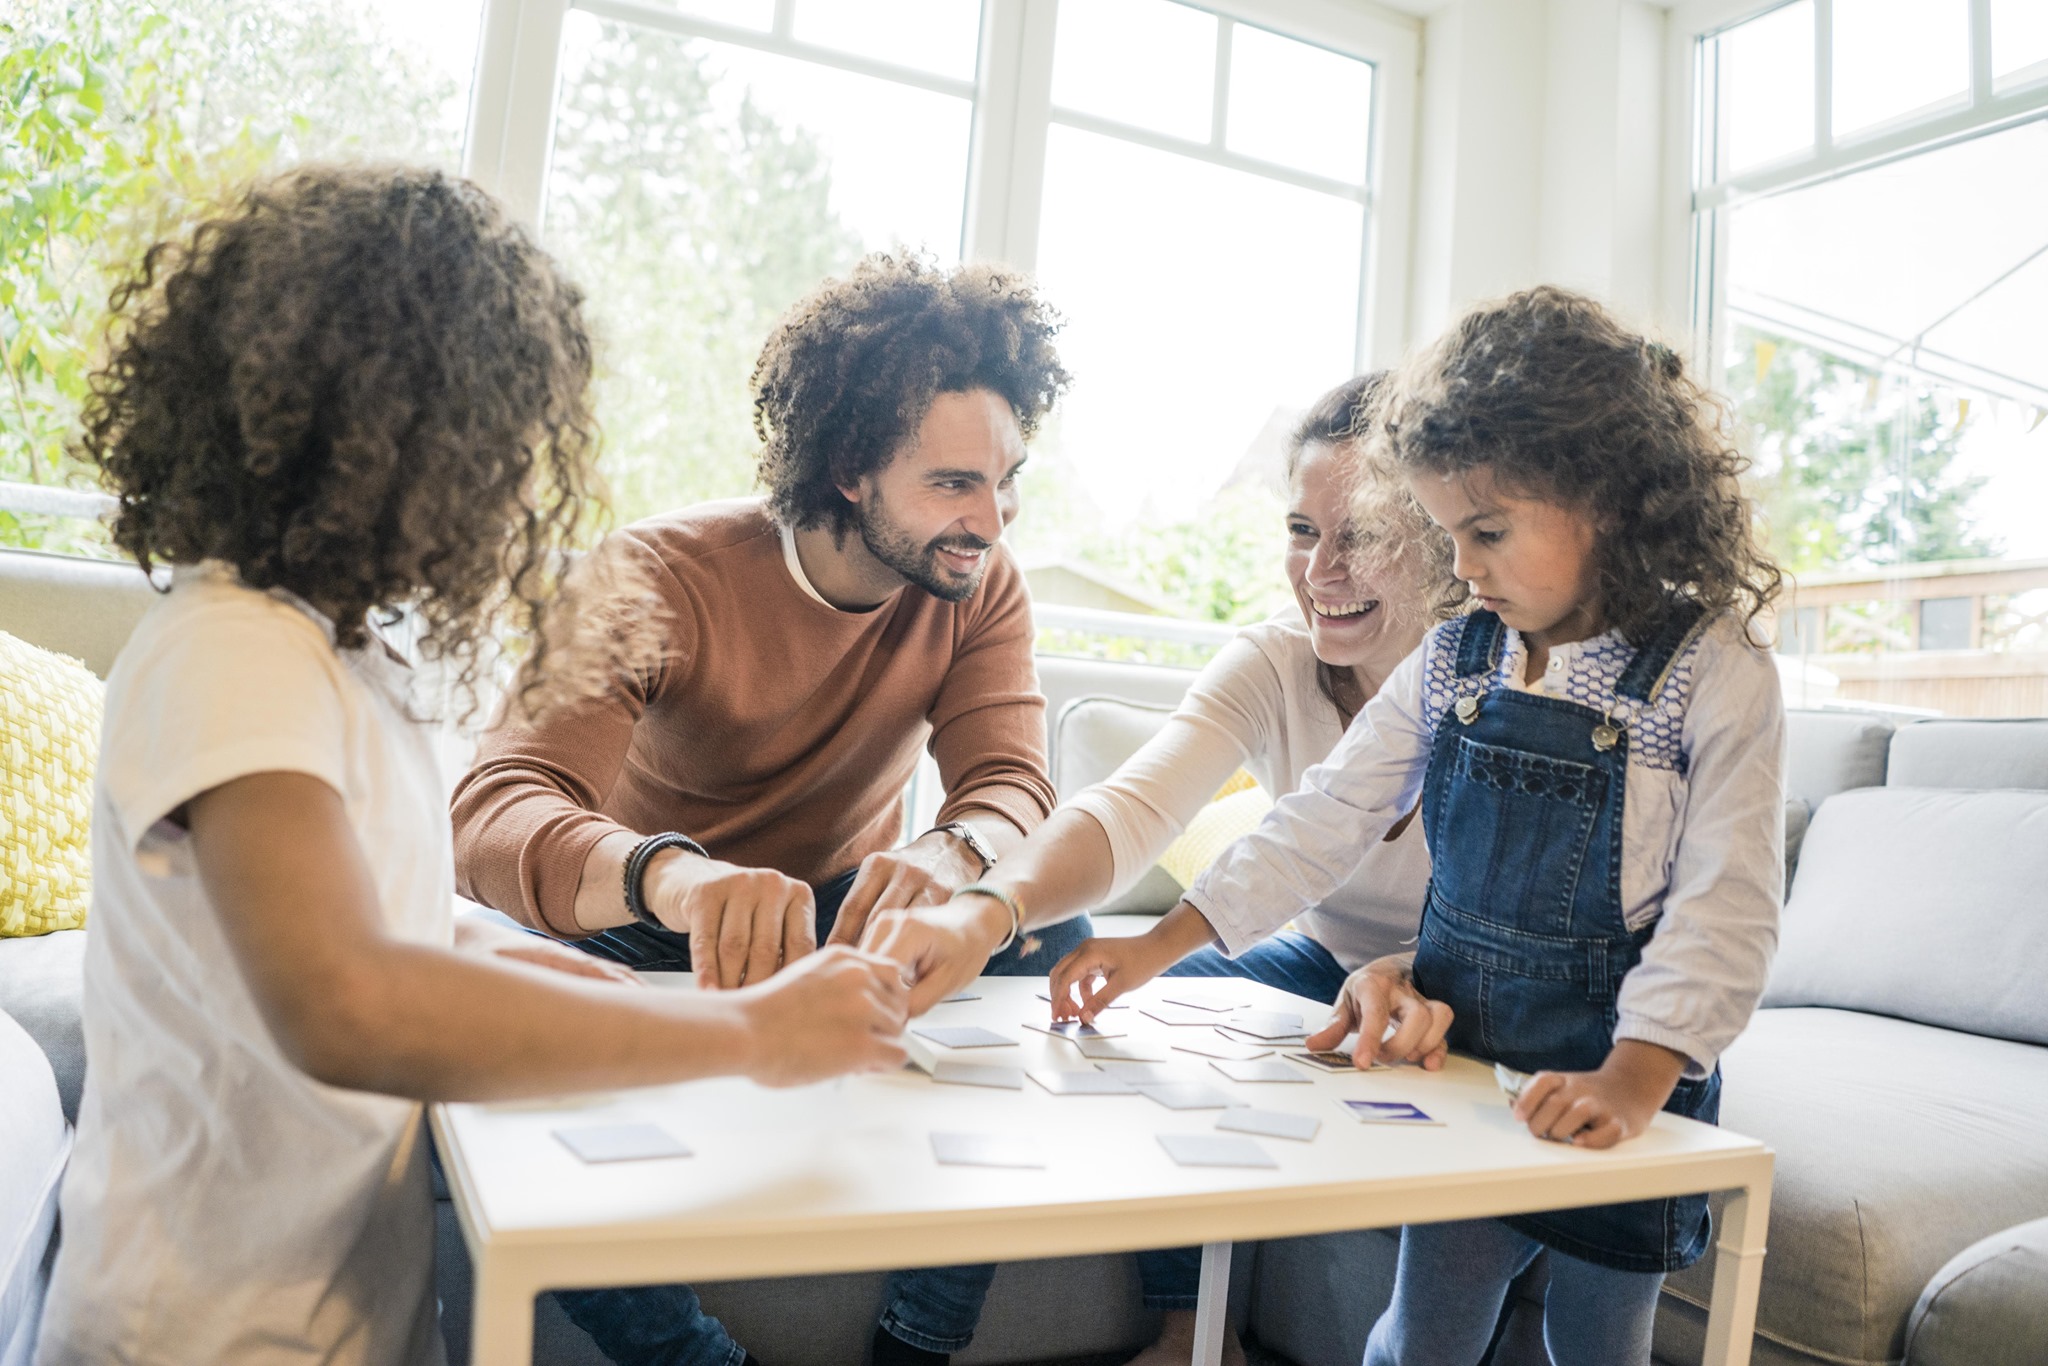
column 966, row 834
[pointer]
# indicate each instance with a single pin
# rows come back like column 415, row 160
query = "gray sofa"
column 1906, row 1104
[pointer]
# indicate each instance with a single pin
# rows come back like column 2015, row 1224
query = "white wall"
column 1540, row 157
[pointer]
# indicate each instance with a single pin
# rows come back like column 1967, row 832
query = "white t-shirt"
column 221, row 1205
column 1258, row 706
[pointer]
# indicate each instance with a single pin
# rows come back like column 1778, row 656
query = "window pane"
column 2019, row 38
column 1891, row 382
column 754, row 14
column 123, row 121
column 696, row 191
column 1766, row 88
column 1896, row 56
column 1205, row 309
column 1299, row 105
column 932, row 35
column 1143, row 62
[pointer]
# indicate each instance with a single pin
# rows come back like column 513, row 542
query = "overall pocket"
column 1513, row 832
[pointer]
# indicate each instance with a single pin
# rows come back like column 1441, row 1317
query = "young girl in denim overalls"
column 1597, row 755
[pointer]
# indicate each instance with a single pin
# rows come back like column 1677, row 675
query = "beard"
column 916, row 561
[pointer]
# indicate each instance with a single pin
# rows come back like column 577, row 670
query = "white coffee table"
column 840, row 1176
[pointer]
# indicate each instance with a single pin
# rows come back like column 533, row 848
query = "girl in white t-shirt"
column 361, row 389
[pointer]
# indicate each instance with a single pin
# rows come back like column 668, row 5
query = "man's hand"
column 486, row 940
column 839, row 1010
column 1383, row 991
column 1599, row 1109
column 940, row 948
column 743, row 923
column 921, row 873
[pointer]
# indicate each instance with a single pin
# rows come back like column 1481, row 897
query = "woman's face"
column 1348, row 614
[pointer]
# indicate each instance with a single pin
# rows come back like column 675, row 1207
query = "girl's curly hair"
column 368, row 386
column 851, row 371
column 1550, row 392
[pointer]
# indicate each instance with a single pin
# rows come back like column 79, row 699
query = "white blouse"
column 1702, row 837
column 1257, row 706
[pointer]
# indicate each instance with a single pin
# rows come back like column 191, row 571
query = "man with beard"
column 730, row 805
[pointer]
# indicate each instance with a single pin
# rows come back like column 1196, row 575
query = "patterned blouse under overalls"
column 1523, row 934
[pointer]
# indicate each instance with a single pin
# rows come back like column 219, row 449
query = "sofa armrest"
column 1988, row 1306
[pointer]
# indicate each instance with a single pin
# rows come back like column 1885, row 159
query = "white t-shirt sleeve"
column 1227, row 716
column 1314, row 838
column 242, row 685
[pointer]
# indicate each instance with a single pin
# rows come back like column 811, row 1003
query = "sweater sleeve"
column 1146, row 803
column 527, row 814
column 1704, row 968
column 1314, row 838
column 988, row 720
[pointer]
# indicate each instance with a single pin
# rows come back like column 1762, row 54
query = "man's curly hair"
column 851, row 371
column 1549, row 391
column 365, row 385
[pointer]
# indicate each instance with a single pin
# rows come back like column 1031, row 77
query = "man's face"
column 933, row 513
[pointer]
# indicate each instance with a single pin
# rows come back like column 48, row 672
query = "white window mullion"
column 512, row 103
column 1013, row 105
column 1823, row 76
column 1219, row 107
column 1980, row 51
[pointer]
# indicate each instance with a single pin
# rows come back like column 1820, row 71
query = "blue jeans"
column 1453, row 1279
column 935, row 1308
column 1172, row 1277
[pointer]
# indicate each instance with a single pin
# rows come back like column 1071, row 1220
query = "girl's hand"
column 1104, row 969
column 1599, row 1109
column 1381, row 992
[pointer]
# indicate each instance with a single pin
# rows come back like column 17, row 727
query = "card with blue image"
column 1387, row 1112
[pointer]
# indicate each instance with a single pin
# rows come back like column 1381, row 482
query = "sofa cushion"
column 34, row 1142
column 49, row 741
column 42, row 981
column 1833, row 751
column 1970, row 754
column 1898, row 1145
column 1988, row 1306
column 1091, row 737
column 1922, row 904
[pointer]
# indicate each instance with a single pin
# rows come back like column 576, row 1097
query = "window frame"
column 510, row 133
column 1693, row 178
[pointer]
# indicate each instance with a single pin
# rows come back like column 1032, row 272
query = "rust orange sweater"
column 777, row 731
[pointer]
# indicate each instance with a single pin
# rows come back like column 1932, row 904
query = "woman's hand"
column 940, row 948
column 1383, row 992
column 1599, row 1109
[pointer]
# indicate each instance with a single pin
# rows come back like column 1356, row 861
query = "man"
column 728, row 806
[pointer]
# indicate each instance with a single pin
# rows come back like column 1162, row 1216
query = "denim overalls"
column 1523, row 934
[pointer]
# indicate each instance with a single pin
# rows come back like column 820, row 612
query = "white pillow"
column 1925, row 904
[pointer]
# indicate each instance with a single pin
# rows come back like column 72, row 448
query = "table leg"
column 1212, row 1309
column 1738, row 1272
column 501, row 1319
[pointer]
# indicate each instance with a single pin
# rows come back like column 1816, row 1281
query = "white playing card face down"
column 1262, row 1070
column 979, row 1074
column 960, row 996
column 1213, row 1045
column 1082, row 1083
column 1270, row 1123
column 961, row 1036
column 1262, row 1035
column 1201, row 1000
column 1178, row 1016
column 1215, row 1150
column 1135, row 1072
column 1073, row 1031
column 620, row 1142
column 1120, row 1050
column 1186, row 1095
column 1076, row 1000
column 986, row 1150
column 1266, row 1023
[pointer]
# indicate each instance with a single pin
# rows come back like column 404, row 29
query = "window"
column 1871, row 235
column 126, row 119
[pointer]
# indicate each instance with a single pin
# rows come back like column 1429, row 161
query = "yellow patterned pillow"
column 1215, row 827
column 49, row 738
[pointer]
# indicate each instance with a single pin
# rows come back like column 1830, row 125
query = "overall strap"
column 1653, row 660
column 1479, row 646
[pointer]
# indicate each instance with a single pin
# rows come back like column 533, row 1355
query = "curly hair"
column 851, row 371
column 1562, row 402
column 368, row 386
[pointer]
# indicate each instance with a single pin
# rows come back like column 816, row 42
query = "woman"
column 1274, row 701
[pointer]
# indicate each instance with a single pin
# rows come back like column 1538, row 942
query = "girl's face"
column 1528, row 560
column 1348, row 613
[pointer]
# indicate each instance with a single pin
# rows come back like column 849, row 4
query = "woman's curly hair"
column 1550, row 392
column 368, row 386
column 851, row 371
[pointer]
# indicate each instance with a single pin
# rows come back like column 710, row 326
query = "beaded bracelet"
column 1010, row 903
